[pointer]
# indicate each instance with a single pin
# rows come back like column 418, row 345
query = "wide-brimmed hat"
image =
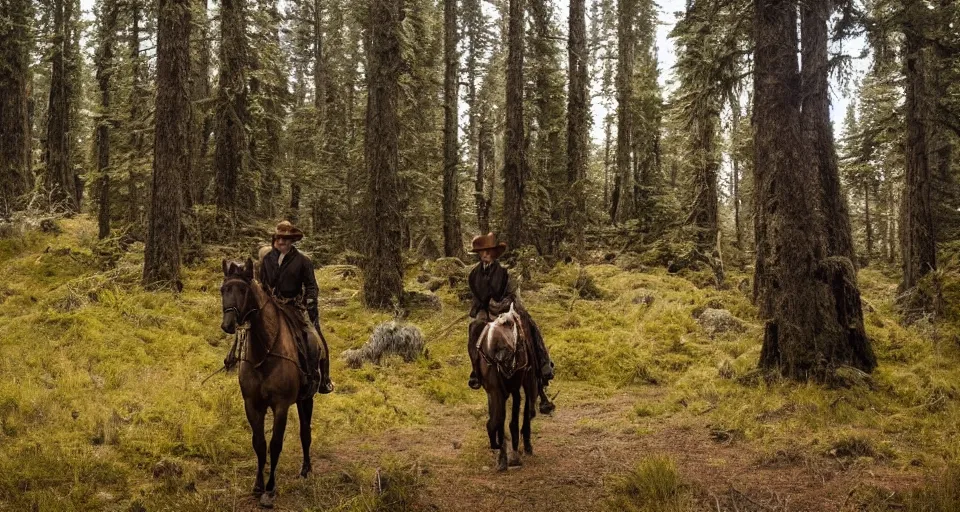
column 287, row 230
column 488, row 241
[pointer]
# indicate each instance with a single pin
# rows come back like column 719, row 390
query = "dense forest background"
column 699, row 237
column 395, row 129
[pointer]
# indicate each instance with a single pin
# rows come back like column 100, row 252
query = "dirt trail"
column 581, row 447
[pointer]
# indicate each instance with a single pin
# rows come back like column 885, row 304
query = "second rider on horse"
column 493, row 293
column 287, row 275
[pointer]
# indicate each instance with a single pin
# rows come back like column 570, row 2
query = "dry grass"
column 101, row 405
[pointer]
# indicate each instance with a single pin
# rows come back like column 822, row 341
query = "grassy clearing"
column 101, row 404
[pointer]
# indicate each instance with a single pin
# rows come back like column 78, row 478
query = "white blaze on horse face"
column 499, row 322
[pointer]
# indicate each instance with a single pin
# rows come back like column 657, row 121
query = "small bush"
column 653, row 486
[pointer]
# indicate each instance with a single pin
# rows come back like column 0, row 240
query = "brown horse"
column 269, row 372
column 506, row 366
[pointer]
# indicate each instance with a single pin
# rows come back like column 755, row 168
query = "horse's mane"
column 270, row 315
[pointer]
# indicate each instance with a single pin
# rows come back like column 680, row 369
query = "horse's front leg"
column 501, row 418
column 530, row 388
column 514, row 459
column 255, row 417
column 305, row 412
column 492, row 414
column 276, row 446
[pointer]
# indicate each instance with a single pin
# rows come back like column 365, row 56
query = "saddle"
column 291, row 314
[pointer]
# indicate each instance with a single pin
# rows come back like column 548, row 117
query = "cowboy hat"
column 287, row 230
column 488, row 242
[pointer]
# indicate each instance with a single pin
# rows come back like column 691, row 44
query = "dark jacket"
column 486, row 284
column 292, row 279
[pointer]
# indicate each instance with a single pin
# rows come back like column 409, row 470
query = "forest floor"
column 102, row 407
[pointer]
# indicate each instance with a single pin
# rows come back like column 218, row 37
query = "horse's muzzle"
column 229, row 324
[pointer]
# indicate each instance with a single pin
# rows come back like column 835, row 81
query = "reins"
column 243, row 332
column 521, row 339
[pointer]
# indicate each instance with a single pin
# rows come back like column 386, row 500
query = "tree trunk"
column 811, row 301
column 196, row 183
column 14, row 97
column 624, row 201
column 60, row 180
column 918, row 240
column 319, row 67
column 293, row 214
column 735, row 161
column 230, row 158
column 171, row 160
column 484, row 155
column 818, row 130
column 704, row 212
column 135, row 127
column 383, row 270
column 104, row 58
column 515, row 168
column 578, row 117
column 867, row 222
column 452, row 237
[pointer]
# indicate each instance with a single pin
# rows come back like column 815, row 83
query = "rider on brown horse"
column 287, row 274
column 493, row 293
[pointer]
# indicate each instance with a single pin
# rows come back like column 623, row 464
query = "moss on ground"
column 101, row 404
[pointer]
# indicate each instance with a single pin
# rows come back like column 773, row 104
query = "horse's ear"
column 512, row 311
column 248, row 268
column 224, row 264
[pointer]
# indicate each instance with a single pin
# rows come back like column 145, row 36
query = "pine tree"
column 105, row 68
column 15, row 35
column 452, row 237
column 515, row 171
column 815, row 121
column 383, row 272
column 171, row 160
column 59, row 176
column 811, row 301
column 578, row 115
column 235, row 191
column 622, row 199
column 918, row 238
column 195, row 186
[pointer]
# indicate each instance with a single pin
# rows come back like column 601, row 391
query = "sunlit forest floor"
column 102, row 407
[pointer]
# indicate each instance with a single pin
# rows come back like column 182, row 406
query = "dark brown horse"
column 269, row 372
column 506, row 367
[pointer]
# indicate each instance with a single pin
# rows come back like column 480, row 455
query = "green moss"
column 106, row 376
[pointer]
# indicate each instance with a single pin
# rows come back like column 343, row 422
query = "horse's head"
column 501, row 341
column 236, row 296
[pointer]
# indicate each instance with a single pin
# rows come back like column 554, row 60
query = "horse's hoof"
column 267, row 499
column 304, row 471
column 514, row 460
column 257, row 490
column 547, row 408
column 502, row 462
column 528, row 450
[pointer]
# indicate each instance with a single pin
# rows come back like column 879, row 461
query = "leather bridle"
column 243, row 328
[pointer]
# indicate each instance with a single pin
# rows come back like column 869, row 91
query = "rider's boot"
column 326, row 385
column 546, row 375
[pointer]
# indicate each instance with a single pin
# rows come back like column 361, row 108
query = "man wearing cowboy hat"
column 287, row 274
column 493, row 293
